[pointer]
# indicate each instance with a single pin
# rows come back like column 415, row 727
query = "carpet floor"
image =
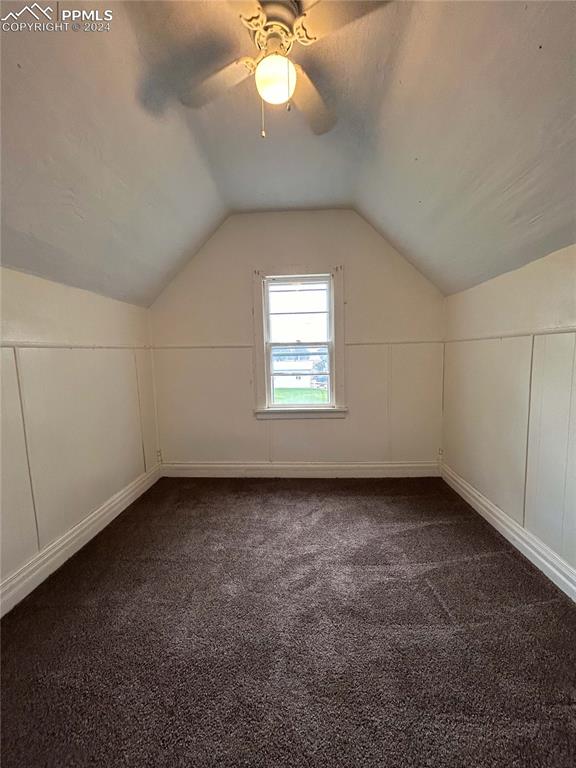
column 292, row 624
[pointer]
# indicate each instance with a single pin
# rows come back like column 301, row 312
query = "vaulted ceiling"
column 456, row 139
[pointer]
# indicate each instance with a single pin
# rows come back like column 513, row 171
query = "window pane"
column 300, row 360
column 299, row 327
column 291, row 297
column 300, row 390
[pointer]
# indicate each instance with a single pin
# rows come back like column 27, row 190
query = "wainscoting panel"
column 550, row 510
column 206, row 405
column 83, row 430
column 147, row 406
column 415, row 401
column 486, row 397
column 19, row 539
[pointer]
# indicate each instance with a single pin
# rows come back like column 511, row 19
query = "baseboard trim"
column 19, row 584
column 301, row 469
column 553, row 566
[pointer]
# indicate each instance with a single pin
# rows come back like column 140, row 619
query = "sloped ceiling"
column 456, row 139
column 97, row 191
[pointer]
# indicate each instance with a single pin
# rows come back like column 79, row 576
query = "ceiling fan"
column 275, row 25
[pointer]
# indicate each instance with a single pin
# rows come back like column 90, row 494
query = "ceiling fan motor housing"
column 272, row 31
column 282, row 11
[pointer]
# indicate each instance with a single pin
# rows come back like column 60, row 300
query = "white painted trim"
column 392, row 342
column 301, row 469
column 514, row 334
column 7, row 342
column 64, row 345
column 330, row 412
column 19, row 584
column 553, row 566
column 202, row 346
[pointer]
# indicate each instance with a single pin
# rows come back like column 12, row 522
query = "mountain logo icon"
column 35, row 10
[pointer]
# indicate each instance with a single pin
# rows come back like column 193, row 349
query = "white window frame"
column 269, row 346
column 264, row 406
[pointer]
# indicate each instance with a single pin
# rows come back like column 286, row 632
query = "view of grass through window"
column 299, row 339
column 294, row 396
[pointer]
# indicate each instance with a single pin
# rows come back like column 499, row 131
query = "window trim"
column 262, row 375
column 325, row 278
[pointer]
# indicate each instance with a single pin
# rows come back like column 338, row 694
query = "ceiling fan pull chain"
column 263, row 124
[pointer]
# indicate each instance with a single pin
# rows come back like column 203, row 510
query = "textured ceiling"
column 456, row 139
column 97, row 191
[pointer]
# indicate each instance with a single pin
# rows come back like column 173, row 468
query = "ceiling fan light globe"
column 275, row 79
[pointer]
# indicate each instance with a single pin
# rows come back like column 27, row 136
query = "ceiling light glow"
column 275, row 79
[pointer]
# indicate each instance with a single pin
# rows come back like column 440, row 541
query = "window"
column 298, row 336
column 298, row 344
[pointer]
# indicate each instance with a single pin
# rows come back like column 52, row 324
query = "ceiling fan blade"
column 218, row 83
column 326, row 17
column 307, row 99
column 251, row 13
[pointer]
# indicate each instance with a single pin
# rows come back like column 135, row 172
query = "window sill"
column 300, row 413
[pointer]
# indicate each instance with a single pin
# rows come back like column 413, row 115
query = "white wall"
column 537, row 298
column 78, row 421
column 203, row 335
column 509, row 402
column 39, row 311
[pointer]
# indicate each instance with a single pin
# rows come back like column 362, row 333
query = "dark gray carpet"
column 277, row 623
